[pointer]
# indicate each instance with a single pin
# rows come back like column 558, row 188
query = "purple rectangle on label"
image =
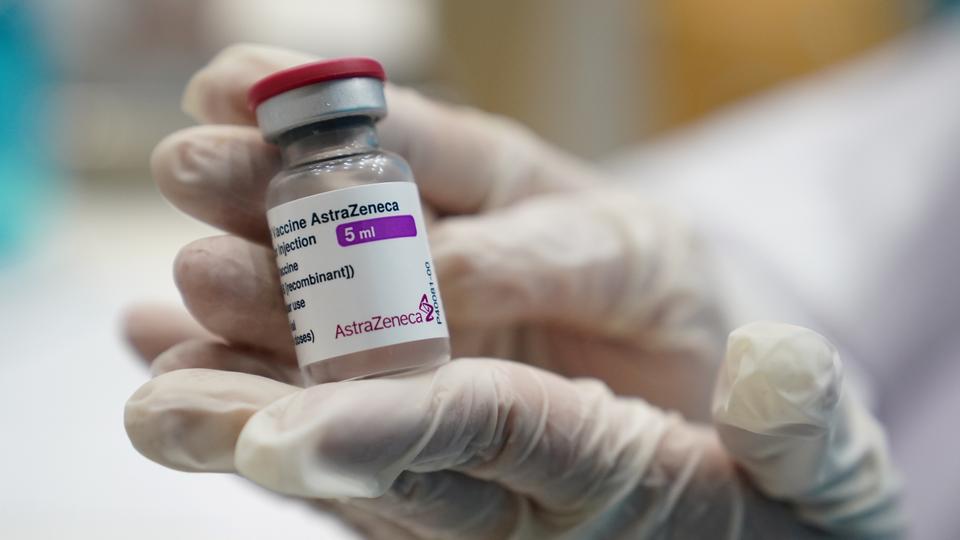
column 371, row 230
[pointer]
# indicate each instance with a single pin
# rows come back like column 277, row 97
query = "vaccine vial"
column 345, row 220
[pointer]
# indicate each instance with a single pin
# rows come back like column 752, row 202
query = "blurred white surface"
column 68, row 470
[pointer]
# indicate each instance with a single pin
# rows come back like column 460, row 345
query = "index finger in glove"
column 566, row 445
column 464, row 161
column 190, row 420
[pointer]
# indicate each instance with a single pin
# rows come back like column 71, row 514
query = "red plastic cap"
column 312, row 73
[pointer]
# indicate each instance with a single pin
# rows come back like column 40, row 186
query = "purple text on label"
column 371, row 230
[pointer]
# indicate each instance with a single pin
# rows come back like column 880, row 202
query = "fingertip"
column 217, row 93
column 778, row 378
column 158, row 425
column 300, row 445
column 230, row 285
column 152, row 328
column 785, row 347
column 193, row 102
column 173, row 164
column 784, row 418
column 212, row 268
column 228, row 158
column 135, row 329
column 207, row 270
column 190, row 419
column 190, row 261
column 201, row 278
column 181, row 162
column 218, row 174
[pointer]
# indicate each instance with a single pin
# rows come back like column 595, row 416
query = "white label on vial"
column 355, row 270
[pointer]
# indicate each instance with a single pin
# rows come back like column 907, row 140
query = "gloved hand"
column 538, row 260
column 484, row 448
column 538, row 263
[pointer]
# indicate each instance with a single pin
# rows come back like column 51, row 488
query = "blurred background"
column 90, row 87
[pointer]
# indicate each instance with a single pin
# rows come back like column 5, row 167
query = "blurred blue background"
column 26, row 146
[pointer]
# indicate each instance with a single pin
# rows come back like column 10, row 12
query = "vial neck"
column 328, row 140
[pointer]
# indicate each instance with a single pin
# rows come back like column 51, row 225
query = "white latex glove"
column 538, row 263
column 483, row 448
column 537, row 260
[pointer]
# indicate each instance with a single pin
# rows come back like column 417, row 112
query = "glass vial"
column 347, row 228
